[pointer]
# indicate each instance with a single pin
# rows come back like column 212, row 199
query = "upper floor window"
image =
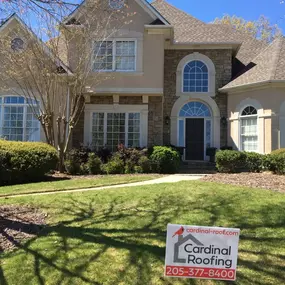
column 17, row 119
column 195, row 77
column 116, row 55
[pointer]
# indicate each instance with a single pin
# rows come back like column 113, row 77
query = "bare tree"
column 53, row 76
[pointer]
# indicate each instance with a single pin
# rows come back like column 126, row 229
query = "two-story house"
column 179, row 81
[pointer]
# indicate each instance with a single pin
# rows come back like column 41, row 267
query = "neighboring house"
column 179, row 81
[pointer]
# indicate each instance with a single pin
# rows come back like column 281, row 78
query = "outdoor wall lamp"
column 224, row 121
column 167, row 120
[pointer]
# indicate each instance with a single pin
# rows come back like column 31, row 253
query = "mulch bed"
column 17, row 224
column 254, row 180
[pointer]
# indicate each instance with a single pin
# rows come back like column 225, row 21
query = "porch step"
column 198, row 167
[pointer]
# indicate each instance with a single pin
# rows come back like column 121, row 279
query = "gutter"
column 243, row 86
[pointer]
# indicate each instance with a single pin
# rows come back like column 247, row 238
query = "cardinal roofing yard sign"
column 201, row 252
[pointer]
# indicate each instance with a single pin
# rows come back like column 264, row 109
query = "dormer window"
column 17, row 44
column 196, row 77
column 116, row 55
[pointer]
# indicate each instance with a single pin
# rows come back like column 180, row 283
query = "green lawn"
column 117, row 237
column 74, row 184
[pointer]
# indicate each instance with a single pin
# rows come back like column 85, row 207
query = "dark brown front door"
column 194, row 139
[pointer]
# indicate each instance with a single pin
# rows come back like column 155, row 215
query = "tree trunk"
column 61, row 167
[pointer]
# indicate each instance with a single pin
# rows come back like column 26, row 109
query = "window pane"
column 12, row 126
column 98, row 130
column 103, row 55
column 125, row 55
column 134, row 130
column 32, row 124
column 115, row 130
column 208, row 133
column 181, row 133
column 249, row 134
column 195, row 77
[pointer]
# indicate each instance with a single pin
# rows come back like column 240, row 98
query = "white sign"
column 201, row 252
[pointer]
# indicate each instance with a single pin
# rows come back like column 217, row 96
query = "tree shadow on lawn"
column 122, row 243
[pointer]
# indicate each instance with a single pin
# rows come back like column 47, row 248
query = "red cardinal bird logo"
column 179, row 232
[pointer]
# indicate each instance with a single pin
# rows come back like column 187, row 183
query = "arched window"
column 249, row 129
column 195, row 77
column 195, row 109
column 17, row 119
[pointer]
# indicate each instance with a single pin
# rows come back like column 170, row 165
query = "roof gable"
column 143, row 3
column 15, row 19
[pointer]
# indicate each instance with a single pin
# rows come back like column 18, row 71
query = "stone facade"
column 155, row 117
column 222, row 59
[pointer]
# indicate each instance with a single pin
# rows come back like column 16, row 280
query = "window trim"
column 211, row 75
column 25, row 105
column 97, row 108
column 182, row 81
column 240, row 126
column 114, row 55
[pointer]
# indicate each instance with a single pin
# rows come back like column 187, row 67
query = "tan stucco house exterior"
column 180, row 81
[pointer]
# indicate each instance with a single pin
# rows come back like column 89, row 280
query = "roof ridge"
column 275, row 63
column 178, row 9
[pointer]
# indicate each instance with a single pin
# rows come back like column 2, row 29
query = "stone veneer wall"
column 155, row 117
column 222, row 60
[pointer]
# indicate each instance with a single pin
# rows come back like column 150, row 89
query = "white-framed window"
column 109, row 129
column 115, row 55
column 249, row 129
column 195, row 77
column 17, row 119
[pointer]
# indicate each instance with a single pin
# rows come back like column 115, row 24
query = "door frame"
column 205, row 135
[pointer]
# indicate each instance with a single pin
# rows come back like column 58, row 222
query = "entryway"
column 194, row 139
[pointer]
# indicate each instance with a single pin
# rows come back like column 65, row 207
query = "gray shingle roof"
column 269, row 65
column 188, row 29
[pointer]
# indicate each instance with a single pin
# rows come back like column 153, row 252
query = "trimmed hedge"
column 164, row 160
column 255, row 162
column 230, row 161
column 25, row 161
column 276, row 163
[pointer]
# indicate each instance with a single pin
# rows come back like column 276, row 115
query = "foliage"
column 226, row 147
column 278, row 151
column 79, row 155
column 94, row 164
column 144, row 164
column 260, row 29
column 165, row 160
column 25, row 161
column 114, row 166
column 211, row 151
column 104, row 154
column 72, row 167
column 230, row 161
column 277, row 163
column 255, row 162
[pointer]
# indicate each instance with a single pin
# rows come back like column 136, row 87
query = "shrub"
column 72, row 167
column 278, row 151
column 255, row 162
column 165, row 160
column 104, row 154
column 25, row 161
column 277, row 163
column 144, row 165
column 114, row 166
column 94, row 164
column 79, row 155
column 230, row 161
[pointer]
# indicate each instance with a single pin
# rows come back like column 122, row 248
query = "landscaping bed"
column 17, row 224
column 264, row 180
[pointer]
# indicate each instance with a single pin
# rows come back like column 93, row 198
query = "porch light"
column 167, row 120
column 224, row 121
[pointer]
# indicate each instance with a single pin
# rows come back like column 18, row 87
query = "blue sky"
column 208, row 10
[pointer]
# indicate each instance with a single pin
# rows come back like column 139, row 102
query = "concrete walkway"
column 166, row 179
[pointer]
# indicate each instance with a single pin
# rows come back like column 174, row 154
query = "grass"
column 74, row 184
column 117, row 237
